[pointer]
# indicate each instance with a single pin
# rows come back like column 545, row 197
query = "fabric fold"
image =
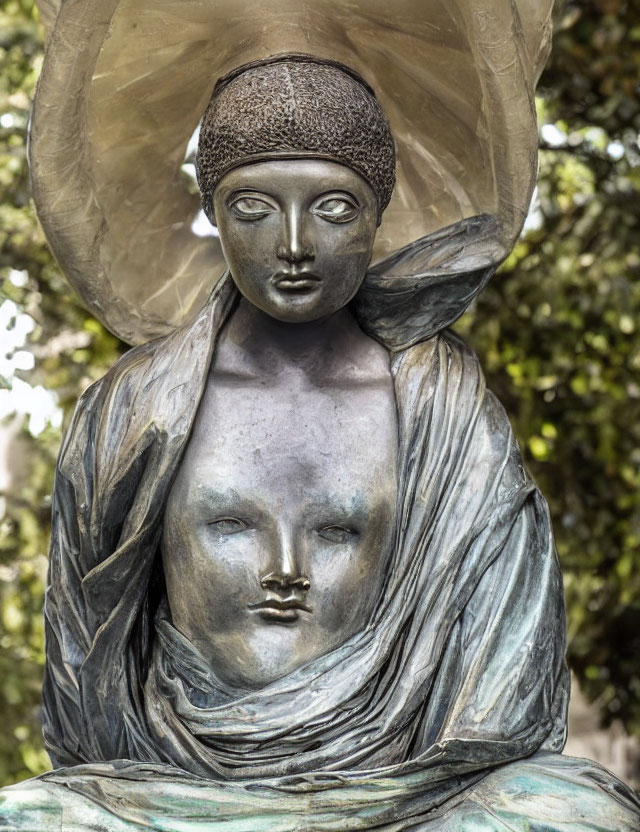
column 461, row 669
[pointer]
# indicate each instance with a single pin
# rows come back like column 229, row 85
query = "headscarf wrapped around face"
column 295, row 106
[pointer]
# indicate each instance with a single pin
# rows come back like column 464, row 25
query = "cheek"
column 208, row 576
column 251, row 260
column 350, row 251
column 248, row 243
column 239, row 252
column 348, row 584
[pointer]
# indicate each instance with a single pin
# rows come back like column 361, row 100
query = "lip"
column 273, row 609
column 296, row 281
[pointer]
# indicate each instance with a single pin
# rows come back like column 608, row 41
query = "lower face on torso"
column 280, row 520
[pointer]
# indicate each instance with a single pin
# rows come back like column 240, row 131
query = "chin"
column 260, row 673
column 297, row 313
column 302, row 309
column 298, row 318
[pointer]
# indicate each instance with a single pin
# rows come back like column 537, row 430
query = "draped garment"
column 460, row 671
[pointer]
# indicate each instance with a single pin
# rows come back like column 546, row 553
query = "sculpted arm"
column 491, row 589
column 513, row 677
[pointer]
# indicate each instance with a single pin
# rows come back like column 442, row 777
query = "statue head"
column 296, row 164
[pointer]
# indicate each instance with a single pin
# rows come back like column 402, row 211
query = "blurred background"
column 557, row 331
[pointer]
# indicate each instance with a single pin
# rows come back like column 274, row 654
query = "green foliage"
column 71, row 350
column 558, row 332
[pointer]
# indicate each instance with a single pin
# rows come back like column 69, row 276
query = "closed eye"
column 228, row 525
column 337, row 534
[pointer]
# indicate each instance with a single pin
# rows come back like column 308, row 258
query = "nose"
column 295, row 246
column 284, row 569
column 277, row 582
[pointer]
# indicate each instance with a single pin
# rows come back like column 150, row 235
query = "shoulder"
column 153, row 389
column 443, row 363
column 448, row 357
column 152, row 361
column 442, row 379
column 446, row 350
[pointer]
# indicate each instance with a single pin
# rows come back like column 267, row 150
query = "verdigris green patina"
column 546, row 792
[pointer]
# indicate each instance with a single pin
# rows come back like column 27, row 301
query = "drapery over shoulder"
column 462, row 666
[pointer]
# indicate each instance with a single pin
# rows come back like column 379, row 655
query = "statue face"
column 279, row 523
column 297, row 235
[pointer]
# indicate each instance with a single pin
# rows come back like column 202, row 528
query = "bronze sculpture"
column 300, row 579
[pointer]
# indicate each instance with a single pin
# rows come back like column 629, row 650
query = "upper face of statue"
column 297, row 235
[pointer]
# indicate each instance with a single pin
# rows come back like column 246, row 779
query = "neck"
column 278, row 343
column 333, row 350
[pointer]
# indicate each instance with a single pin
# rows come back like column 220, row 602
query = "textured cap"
column 295, row 105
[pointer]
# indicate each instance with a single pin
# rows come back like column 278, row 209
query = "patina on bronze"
column 299, row 576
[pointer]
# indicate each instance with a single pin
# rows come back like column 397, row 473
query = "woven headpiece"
column 291, row 106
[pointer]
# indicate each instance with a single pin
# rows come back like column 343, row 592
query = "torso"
column 291, row 447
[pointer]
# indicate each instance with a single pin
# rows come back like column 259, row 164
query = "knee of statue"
column 300, row 578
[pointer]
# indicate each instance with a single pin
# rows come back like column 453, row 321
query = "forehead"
column 288, row 450
column 295, row 175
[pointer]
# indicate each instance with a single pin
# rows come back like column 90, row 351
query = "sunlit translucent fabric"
column 460, row 670
column 124, row 84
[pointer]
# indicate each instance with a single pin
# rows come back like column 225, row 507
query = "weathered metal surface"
column 300, row 579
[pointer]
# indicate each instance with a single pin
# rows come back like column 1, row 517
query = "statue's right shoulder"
column 167, row 362
column 153, row 388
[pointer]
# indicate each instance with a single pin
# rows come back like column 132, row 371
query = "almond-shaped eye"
column 228, row 525
column 336, row 209
column 251, row 208
column 337, row 534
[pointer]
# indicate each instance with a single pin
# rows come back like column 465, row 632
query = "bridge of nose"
column 285, row 559
column 296, row 244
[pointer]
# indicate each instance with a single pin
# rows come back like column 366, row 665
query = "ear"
column 209, row 209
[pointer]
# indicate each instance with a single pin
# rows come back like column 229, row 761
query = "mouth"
column 273, row 609
column 296, row 281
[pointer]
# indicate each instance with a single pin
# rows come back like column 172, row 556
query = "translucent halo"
column 124, row 84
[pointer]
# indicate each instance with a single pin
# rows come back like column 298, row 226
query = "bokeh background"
column 557, row 331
